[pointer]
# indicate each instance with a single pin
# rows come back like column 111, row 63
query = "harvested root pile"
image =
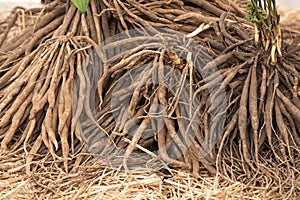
column 38, row 70
column 208, row 96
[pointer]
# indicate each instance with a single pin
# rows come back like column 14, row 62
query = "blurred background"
column 289, row 4
column 8, row 5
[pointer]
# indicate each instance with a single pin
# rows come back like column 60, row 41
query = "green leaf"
column 255, row 13
column 81, row 4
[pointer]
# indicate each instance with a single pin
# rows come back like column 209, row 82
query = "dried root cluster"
column 227, row 109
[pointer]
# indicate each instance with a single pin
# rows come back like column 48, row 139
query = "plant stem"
column 264, row 15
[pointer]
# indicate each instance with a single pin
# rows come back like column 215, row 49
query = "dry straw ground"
column 95, row 181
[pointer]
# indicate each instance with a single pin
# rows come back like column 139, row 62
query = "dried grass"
column 96, row 181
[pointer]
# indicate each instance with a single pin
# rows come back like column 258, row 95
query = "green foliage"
column 255, row 13
column 81, row 4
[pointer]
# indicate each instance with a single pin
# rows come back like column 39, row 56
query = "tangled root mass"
column 160, row 98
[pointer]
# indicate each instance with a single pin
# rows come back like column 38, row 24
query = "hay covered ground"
column 96, row 181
